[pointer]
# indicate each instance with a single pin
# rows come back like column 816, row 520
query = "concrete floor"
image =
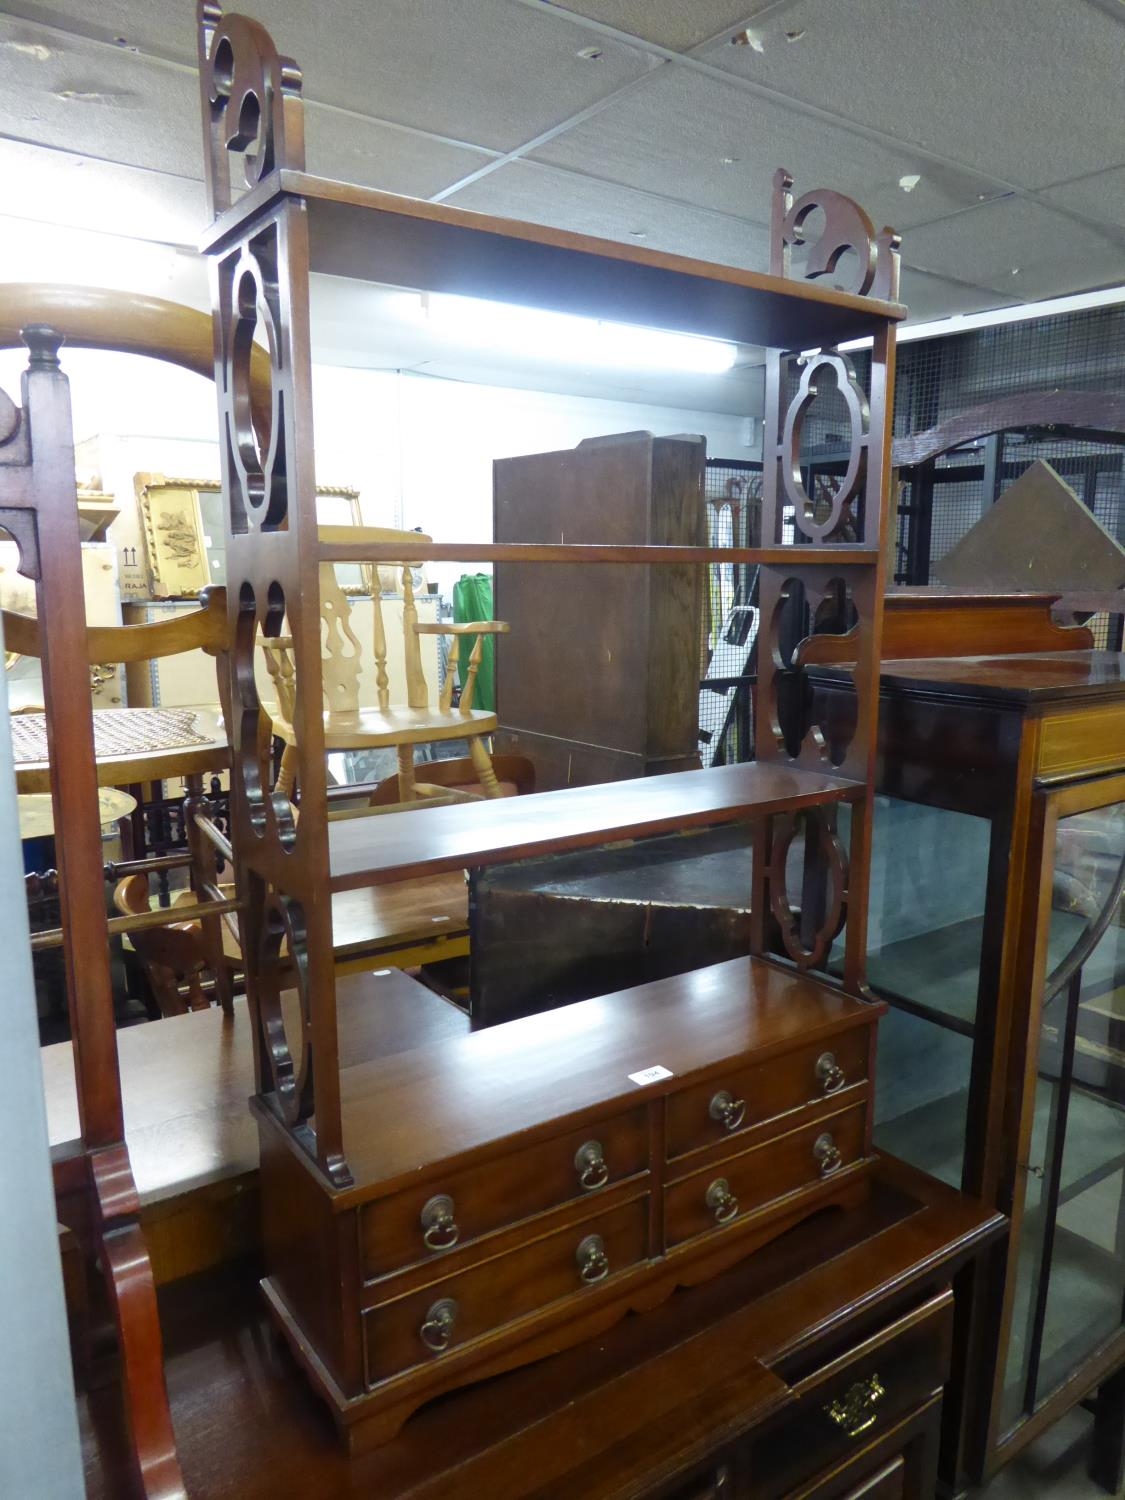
column 1054, row 1466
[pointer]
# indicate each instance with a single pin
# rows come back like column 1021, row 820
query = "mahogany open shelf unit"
column 550, row 1207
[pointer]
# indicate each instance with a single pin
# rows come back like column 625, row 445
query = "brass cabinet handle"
column 721, row 1201
column 590, row 1164
column 437, row 1331
column 593, row 1263
column 439, row 1231
column 856, row 1410
column 727, row 1110
column 829, row 1074
column 827, row 1154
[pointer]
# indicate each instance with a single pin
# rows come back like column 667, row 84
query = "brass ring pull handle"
column 856, row 1410
column 437, row 1331
column 827, row 1154
column 590, row 1164
column 439, row 1231
column 727, row 1110
column 721, row 1201
column 829, row 1074
column 593, row 1263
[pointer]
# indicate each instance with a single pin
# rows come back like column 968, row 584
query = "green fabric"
column 472, row 600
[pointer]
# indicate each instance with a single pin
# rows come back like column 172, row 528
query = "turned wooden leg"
column 287, row 772
column 483, row 763
column 406, row 792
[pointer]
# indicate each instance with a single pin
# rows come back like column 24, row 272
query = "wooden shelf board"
column 397, row 846
column 340, row 544
column 369, row 235
column 529, row 1075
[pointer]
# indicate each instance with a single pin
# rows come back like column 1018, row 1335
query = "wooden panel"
column 1082, row 742
column 503, row 1192
column 530, row 1077
column 502, row 1290
column 929, row 622
column 767, row 1090
column 888, row 1484
column 634, row 635
column 482, row 833
column 908, row 1361
column 374, row 236
column 761, row 1175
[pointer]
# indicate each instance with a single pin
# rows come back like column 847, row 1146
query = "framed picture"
column 185, row 537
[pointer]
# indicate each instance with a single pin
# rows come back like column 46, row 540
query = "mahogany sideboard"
column 814, row 1368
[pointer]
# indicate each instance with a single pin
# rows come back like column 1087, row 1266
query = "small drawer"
column 730, row 1103
column 848, row 1404
column 730, row 1189
column 571, row 1263
column 423, row 1222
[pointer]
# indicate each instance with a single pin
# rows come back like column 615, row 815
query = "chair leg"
column 287, row 772
column 483, row 763
column 406, row 792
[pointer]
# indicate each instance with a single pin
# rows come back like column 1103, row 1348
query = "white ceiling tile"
column 1100, row 197
column 493, row 72
column 1027, row 89
column 670, row 23
column 541, row 195
column 929, row 297
column 673, row 135
column 1020, row 248
column 59, row 187
column 379, row 156
column 99, row 101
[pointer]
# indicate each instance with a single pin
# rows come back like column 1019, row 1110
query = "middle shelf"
column 373, row 850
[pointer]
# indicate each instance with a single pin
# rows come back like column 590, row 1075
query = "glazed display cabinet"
column 997, row 937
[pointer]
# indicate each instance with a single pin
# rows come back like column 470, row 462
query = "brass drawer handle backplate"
column 439, row 1231
column 437, row 1331
column 829, row 1074
column 593, row 1263
column 721, row 1201
column 827, row 1154
column 856, row 1410
column 590, row 1164
column 728, row 1111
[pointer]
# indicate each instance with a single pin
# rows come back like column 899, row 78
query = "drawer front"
column 852, row 1402
column 730, row 1189
column 728, row 1104
column 423, row 1223
column 569, row 1264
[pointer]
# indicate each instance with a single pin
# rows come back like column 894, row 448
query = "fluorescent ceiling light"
column 1023, row 313
column 560, row 338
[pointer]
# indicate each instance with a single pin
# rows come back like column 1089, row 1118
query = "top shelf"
column 381, row 237
column 397, row 846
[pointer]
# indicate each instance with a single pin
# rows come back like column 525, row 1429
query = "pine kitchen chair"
column 349, row 725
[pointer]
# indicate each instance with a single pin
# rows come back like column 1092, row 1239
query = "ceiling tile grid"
column 669, row 23
column 687, row 136
column 1028, row 90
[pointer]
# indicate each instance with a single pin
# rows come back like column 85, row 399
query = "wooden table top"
column 249, row 1428
column 1032, row 678
column 186, row 1080
column 146, row 765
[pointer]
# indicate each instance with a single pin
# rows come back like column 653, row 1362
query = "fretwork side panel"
column 822, row 234
column 259, row 283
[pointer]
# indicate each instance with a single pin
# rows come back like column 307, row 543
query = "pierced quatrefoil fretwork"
column 805, row 844
column 256, row 439
column 830, row 515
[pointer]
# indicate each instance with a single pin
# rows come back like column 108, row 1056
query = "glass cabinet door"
column 1069, row 1290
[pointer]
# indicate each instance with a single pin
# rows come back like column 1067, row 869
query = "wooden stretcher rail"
column 163, row 916
column 214, row 834
column 333, row 551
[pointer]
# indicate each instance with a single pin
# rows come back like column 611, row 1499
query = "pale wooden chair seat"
column 376, row 727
